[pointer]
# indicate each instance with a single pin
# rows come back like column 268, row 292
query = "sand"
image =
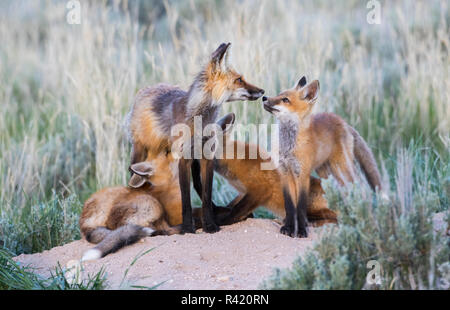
column 240, row 256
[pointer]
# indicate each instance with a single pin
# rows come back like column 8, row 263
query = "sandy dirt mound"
column 240, row 256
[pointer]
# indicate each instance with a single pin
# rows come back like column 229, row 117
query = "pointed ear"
column 218, row 58
column 311, row 91
column 136, row 181
column 226, row 122
column 143, row 168
column 301, row 83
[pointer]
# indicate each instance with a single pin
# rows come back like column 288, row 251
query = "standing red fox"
column 158, row 108
column 322, row 142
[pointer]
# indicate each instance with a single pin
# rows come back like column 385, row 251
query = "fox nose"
column 264, row 98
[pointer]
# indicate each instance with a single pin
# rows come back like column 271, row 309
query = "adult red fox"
column 117, row 216
column 322, row 142
column 158, row 108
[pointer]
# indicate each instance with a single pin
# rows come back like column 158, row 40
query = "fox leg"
column 322, row 216
column 324, row 171
column 207, row 172
column 301, row 213
column 342, row 168
column 219, row 212
column 318, row 212
column 241, row 207
column 196, row 179
column 302, row 202
column 290, row 226
column 184, row 168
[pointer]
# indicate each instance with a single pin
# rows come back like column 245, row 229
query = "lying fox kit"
column 118, row 216
column 322, row 142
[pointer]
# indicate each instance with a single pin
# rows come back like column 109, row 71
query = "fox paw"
column 211, row 228
column 287, row 230
column 302, row 233
column 187, row 229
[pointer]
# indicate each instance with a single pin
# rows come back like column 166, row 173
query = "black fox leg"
column 241, row 207
column 196, row 179
column 184, row 168
column 207, row 172
column 301, row 214
column 290, row 222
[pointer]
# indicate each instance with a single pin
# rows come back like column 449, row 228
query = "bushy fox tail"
column 110, row 241
column 366, row 160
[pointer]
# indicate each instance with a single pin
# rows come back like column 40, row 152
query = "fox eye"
column 285, row 100
column 239, row 80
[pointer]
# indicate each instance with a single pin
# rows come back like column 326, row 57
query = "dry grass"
column 65, row 89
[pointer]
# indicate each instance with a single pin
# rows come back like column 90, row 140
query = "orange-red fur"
column 264, row 187
column 113, row 207
column 322, row 142
column 218, row 82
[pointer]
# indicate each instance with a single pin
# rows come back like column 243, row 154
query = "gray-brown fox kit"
column 158, row 108
column 322, row 142
column 117, row 216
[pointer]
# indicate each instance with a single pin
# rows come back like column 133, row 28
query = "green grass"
column 16, row 277
column 398, row 233
column 40, row 225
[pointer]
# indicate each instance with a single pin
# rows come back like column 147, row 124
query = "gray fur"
column 120, row 237
column 289, row 127
column 174, row 105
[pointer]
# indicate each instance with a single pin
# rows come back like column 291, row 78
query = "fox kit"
column 117, row 216
column 322, row 142
column 158, row 108
column 162, row 173
column 259, row 187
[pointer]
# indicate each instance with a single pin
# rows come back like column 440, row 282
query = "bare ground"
column 240, row 256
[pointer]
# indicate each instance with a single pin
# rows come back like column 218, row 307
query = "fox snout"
column 269, row 105
column 254, row 92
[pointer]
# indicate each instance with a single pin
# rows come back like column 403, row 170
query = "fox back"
column 157, row 108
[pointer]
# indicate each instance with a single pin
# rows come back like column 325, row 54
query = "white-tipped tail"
column 148, row 231
column 91, row 255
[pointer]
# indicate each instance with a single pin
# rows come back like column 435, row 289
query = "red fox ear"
column 311, row 91
column 226, row 122
column 143, row 169
column 301, row 83
column 136, row 181
column 219, row 58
